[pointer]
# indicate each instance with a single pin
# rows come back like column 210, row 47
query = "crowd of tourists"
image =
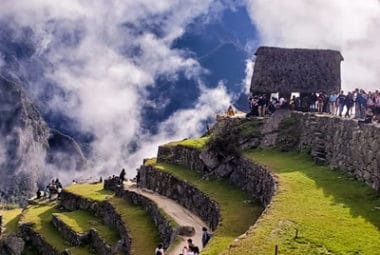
column 357, row 104
column 53, row 188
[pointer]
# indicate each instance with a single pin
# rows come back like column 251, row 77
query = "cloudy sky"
column 105, row 58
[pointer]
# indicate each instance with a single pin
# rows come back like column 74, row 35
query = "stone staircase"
column 317, row 144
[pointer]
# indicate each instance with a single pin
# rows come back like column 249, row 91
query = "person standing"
column 349, row 102
column 206, row 236
column 122, row 175
column 332, row 103
column 341, row 101
column 159, row 249
column 320, row 100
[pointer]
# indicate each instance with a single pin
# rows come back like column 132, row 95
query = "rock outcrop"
column 250, row 177
column 27, row 144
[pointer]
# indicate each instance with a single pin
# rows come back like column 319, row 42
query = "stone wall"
column 340, row 143
column 182, row 192
column 68, row 234
column 101, row 246
column 103, row 210
column 251, row 178
column 254, row 179
column 167, row 229
column 11, row 244
column 181, row 155
column 42, row 246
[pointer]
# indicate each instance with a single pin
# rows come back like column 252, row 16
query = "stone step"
column 320, row 161
column 317, row 154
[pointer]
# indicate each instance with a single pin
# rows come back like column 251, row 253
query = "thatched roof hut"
column 296, row 70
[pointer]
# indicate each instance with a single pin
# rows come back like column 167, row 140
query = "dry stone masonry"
column 167, row 229
column 182, row 192
column 340, row 143
column 296, row 70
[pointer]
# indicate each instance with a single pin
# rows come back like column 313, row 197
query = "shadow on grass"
column 360, row 199
column 12, row 225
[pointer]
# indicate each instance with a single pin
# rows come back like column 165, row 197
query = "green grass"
column 10, row 220
column 41, row 215
column 237, row 215
column 333, row 213
column 81, row 222
column 91, row 191
column 140, row 226
column 197, row 143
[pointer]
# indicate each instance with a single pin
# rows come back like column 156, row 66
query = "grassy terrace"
column 333, row 213
column 81, row 222
column 197, row 143
column 91, row 191
column 40, row 215
column 140, row 226
column 10, row 220
column 237, row 215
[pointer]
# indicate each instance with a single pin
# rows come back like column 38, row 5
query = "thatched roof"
column 296, row 70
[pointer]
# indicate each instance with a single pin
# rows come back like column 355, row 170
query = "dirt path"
column 181, row 215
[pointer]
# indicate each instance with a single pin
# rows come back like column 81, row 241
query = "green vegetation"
column 91, row 191
column 197, row 143
column 10, row 220
column 81, row 222
column 140, row 226
column 40, row 216
column 237, row 215
column 333, row 213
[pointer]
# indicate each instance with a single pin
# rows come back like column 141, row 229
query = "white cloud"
column 84, row 43
column 348, row 26
column 249, row 64
column 187, row 123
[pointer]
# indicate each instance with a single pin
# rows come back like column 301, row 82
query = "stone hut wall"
column 296, row 70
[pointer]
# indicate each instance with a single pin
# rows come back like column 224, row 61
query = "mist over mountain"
column 91, row 110
column 30, row 152
column 113, row 79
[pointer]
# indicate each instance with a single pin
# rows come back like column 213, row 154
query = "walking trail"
column 181, row 215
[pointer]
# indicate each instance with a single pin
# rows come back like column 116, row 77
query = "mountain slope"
column 26, row 144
